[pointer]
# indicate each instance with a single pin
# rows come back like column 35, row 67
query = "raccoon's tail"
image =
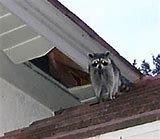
column 125, row 85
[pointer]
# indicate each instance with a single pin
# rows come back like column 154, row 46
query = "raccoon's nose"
column 99, row 66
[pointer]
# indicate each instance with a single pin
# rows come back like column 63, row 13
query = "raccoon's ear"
column 107, row 54
column 91, row 55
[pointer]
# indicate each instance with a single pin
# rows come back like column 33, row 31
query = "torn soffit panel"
column 60, row 28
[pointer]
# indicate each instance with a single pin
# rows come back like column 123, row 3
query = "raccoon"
column 104, row 75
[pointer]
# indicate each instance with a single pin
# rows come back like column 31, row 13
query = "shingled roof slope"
column 138, row 106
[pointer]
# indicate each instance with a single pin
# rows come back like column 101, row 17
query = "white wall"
column 145, row 131
column 17, row 109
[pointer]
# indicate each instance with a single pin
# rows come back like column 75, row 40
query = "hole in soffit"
column 62, row 68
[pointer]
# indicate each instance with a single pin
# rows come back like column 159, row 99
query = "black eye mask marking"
column 94, row 64
column 104, row 63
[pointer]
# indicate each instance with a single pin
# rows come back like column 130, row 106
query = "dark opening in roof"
column 62, row 68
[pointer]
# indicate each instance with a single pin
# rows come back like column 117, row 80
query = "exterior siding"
column 18, row 110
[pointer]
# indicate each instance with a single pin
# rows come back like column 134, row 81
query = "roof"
column 138, row 106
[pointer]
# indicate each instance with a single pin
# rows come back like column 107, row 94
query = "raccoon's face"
column 100, row 60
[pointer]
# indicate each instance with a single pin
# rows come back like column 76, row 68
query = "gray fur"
column 104, row 75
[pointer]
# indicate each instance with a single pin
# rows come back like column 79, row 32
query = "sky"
column 132, row 27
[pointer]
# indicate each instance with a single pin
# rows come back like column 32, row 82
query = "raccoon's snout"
column 99, row 66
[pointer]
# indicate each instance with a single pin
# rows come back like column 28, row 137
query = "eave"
column 56, row 26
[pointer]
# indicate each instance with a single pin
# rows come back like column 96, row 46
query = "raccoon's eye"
column 104, row 63
column 94, row 63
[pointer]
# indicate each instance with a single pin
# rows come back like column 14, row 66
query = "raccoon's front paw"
column 112, row 97
column 103, row 99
